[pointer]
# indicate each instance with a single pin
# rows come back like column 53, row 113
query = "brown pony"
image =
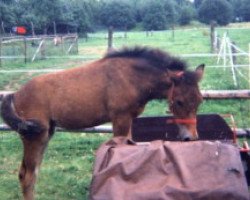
column 115, row 88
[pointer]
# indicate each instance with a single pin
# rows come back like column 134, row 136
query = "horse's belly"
column 77, row 118
column 76, row 123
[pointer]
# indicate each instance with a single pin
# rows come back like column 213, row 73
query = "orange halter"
column 182, row 121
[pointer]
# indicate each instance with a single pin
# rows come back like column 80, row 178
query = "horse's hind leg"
column 33, row 154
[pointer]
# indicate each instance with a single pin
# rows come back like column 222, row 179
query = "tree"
column 118, row 15
column 154, row 16
column 158, row 14
column 7, row 15
column 170, row 9
column 44, row 13
column 215, row 10
column 187, row 13
column 197, row 3
column 244, row 10
column 81, row 16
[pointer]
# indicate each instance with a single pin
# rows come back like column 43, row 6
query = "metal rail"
column 207, row 94
column 240, row 132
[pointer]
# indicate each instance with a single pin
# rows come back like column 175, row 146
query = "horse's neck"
column 151, row 86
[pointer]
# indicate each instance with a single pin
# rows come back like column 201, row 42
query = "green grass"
column 66, row 170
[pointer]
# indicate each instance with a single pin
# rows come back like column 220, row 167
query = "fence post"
column 2, row 27
column 54, row 27
column 212, row 36
column 77, row 44
column 110, row 38
column 173, row 32
column 25, row 50
column 125, row 33
column 0, row 51
column 249, row 64
column 32, row 29
column 218, row 42
column 62, row 44
column 42, row 50
column 234, row 51
column 231, row 61
column 225, row 50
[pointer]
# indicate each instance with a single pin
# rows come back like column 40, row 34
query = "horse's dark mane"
column 157, row 57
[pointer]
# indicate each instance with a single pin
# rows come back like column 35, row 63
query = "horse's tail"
column 24, row 127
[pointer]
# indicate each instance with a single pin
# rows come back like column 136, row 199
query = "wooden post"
column 173, row 32
column 231, row 61
column 1, row 31
column 110, row 38
column 86, row 36
column 42, row 49
column 32, row 29
column 54, row 27
column 125, row 33
column 77, row 50
column 25, row 50
column 249, row 64
column 226, row 94
column 2, row 27
column 218, row 42
column 0, row 51
column 212, row 36
column 62, row 44
column 234, row 51
column 225, row 50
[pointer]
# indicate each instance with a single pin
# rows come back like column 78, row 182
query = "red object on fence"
column 21, row 30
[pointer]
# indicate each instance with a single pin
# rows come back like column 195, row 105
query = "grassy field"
column 66, row 170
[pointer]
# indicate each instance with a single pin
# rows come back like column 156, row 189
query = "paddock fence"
column 31, row 48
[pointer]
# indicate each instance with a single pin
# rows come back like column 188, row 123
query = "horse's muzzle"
column 187, row 128
column 187, row 132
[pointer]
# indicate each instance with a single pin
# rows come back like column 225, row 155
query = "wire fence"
column 32, row 48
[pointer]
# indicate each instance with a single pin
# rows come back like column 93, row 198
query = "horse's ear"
column 200, row 71
column 175, row 76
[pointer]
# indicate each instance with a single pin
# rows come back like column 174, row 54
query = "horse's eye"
column 179, row 103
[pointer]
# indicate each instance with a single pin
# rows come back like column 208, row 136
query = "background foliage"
column 84, row 16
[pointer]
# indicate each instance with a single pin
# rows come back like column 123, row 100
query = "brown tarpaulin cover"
column 168, row 170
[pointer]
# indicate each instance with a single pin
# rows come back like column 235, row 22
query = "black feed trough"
column 210, row 127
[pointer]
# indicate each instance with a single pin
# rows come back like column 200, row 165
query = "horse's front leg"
column 32, row 158
column 122, row 125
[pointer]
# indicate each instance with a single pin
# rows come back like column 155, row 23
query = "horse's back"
column 81, row 97
column 71, row 97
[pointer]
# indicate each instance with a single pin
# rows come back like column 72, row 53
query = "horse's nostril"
column 186, row 139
